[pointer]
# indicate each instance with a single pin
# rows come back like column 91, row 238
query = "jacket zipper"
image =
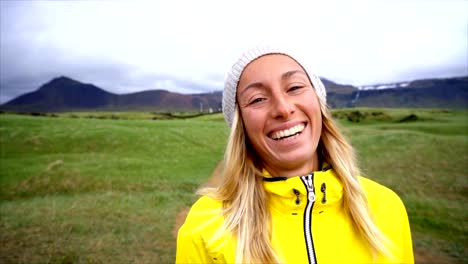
column 309, row 184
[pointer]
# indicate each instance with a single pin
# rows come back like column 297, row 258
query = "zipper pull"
column 311, row 196
column 310, row 188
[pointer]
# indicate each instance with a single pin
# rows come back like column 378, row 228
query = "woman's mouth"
column 287, row 133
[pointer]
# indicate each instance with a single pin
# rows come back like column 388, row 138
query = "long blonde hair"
column 246, row 213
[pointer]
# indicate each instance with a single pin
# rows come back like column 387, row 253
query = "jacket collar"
column 286, row 194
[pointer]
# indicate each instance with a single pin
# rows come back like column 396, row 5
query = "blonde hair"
column 245, row 201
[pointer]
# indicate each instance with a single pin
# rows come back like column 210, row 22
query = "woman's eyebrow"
column 288, row 74
column 252, row 85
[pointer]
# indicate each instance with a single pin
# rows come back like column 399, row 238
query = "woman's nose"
column 282, row 107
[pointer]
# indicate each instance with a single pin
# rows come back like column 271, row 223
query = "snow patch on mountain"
column 384, row 86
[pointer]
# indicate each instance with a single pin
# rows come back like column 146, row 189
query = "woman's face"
column 281, row 114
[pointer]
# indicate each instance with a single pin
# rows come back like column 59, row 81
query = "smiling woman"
column 291, row 190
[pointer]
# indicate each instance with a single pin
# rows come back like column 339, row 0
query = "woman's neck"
column 296, row 170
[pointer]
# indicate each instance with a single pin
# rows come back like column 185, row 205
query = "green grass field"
column 107, row 188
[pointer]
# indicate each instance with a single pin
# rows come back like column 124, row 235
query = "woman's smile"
column 287, row 134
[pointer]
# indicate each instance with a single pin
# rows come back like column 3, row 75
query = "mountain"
column 430, row 93
column 338, row 95
column 62, row 93
column 65, row 94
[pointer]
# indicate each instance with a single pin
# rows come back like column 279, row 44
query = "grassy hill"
column 106, row 187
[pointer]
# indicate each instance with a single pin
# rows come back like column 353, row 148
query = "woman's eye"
column 256, row 100
column 294, row 88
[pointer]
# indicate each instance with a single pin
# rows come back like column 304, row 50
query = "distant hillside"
column 338, row 95
column 65, row 94
column 430, row 93
column 62, row 93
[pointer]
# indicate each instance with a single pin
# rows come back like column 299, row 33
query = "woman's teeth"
column 278, row 135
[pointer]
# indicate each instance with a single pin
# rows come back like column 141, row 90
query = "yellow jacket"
column 333, row 238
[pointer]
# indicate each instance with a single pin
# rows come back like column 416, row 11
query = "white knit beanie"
column 232, row 78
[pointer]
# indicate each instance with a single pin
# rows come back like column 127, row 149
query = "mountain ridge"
column 66, row 94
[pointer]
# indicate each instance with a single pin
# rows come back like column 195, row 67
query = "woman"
column 291, row 191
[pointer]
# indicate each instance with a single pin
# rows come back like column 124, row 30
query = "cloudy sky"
column 188, row 46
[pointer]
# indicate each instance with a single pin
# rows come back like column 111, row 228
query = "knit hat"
column 232, row 78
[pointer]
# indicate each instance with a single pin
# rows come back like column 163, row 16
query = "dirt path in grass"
column 213, row 180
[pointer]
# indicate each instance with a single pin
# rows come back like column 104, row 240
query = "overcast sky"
column 188, row 46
